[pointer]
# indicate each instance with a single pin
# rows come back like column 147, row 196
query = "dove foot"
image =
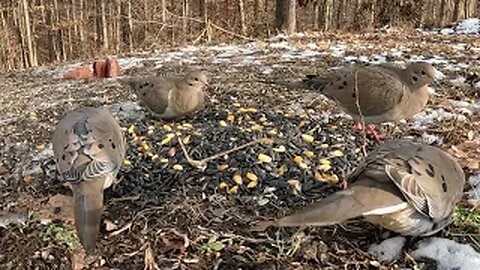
column 370, row 130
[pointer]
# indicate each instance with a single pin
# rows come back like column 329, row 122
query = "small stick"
column 202, row 164
column 362, row 120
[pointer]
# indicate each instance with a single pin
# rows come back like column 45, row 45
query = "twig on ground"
column 202, row 164
column 362, row 120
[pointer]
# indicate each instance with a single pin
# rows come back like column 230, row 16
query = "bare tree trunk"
column 118, row 26
column 31, row 54
column 241, row 10
column 43, row 14
column 21, row 34
column 285, row 15
column 456, row 11
column 69, row 36
column 328, row 14
column 164, row 11
column 316, row 15
column 340, row 14
column 373, row 13
column 130, row 25
column 80, row 26
column 104, row 25
column 202, row 4
column 54, row 55
column 185, row 14
column 441, row 15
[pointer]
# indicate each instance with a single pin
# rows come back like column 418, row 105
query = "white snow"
column 448, row 254
column 429, row 116
column 459, row 81
column 431, row 139
column 388, row 250
column 474, row 193
column 281, row 45
column 469, row 26
column 466, row 107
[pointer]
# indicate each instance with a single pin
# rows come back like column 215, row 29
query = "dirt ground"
column 165, row 216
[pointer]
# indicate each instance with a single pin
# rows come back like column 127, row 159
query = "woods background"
column 36, row 32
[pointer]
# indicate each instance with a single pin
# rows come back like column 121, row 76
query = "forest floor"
column 165, row 216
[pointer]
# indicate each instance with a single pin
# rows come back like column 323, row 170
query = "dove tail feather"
column 332, row 210
column 88, row 207
column 358, row 200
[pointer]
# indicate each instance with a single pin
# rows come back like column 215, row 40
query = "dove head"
column 196, row 79
column 420, row 74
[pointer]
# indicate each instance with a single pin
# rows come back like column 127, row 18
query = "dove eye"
column 196, row 79
column 423, row 72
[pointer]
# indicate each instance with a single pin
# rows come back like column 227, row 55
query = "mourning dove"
column 405, row 187
column 384, row 92
column 89, row 148
column 170, row 98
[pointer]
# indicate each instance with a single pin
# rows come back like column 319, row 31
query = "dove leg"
column 370, row 130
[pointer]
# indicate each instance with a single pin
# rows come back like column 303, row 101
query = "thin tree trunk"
column 241, row 10
column 185, row 14
column 80, row 24
column 69, row 35
column 63, row 43
column 164, row 11
column 104, row 25
column 31, row 54
column 285, row 15
column 130, row 26
column 456, row 11
column 203, row 10
column 54, row 55
column 118, row 25
column 21, row 34
column 316, row 15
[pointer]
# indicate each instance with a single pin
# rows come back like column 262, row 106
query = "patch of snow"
column 127, row 110
column 350, row 58
column 459, row 81
column 189, row 48
column 281, row 45
column 466, row 107
column 395, row 52
column 267, row 71
column 431, row 139
column 417, row 58
column 44, row 154
column 312, row 46
column 469, row 26
column 338, row 50
column 427, row 117
column 474, row 193
column 436, row 60
column 285, row 36
column 438, row 75
column 363, row 58
column 389, row 249
column 378, row 59
column 448, row 254
column 459, row 46
column 447, row 31
column 280, row 36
